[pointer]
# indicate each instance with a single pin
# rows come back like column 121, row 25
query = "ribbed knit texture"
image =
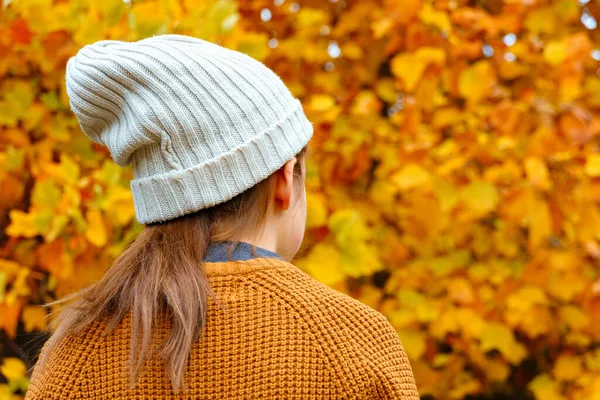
column 280, row 335
column 200, row 123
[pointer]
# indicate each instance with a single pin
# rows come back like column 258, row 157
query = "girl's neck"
column 264, row 241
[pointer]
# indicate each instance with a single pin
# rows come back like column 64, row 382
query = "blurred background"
column 453, row 177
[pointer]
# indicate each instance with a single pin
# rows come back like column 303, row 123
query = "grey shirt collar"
column 217, row 252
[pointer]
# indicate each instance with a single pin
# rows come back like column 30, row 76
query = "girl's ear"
column 284, row 184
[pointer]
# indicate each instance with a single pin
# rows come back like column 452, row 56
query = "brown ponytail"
column 160, row 274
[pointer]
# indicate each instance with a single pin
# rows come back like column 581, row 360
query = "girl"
column 204, row 304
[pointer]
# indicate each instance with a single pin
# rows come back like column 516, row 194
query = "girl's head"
column 217, row 145
column 199, row 123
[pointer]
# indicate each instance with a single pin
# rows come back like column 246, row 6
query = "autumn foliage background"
column 453, row 183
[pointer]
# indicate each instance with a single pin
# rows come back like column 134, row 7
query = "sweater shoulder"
column 358, row 340
column 65, row 366
column 329, row 312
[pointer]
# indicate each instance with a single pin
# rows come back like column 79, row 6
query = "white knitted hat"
column 199, row 123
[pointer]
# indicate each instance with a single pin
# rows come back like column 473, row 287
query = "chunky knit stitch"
column 279, row 334
column 198, row 122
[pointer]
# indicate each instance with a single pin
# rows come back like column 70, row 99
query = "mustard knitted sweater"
column 279, row 334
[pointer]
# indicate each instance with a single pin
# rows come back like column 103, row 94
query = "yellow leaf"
column 479, row 198
column 70, row 201
column 254, row 44
column 109, row 174
column 555, row 52
column 118, row 205
column 16, row 97
column 525, row 298
column 592, row 360
column 321, row 102
column 410, row 67
column 540, row 220
column 446, row 323
column 592, row 165
column 445, row 265
column 567, row 368
column 591, row 88
column 537, row 173
column 15, row 159
column 567, row 286
column 386, row 90
column 65, row 172
column 317, row 206
column 470, row 323
column 401, row 318
column 588, row 228
column 476, row 82
column 21, row 224
column 222, row 16
column 425, row 313
column 147, row 18
column 59, row 222
column 10, row 268
column 497, row 370
column 348, row 227
column 577, row 339
column 34, row 318
column 496, row 336
column 410, row 176
column 410, row 298
column 570, row 88
column 324, row 264
column 431, row 16
column 6, row 392
column 366, row 103
column 573, row 317
column 352, row 51
column 466, row 384
column 13, row 368
column 382, row 26
column 431, row 55
column 360, row 259
column 112, row 9
column 414, row 343
column 447, row 194
column 544, row 388
column 461, row 291
column 541, row 20
column 441, row 360
column 96, row 231
column 444, row 117
column 46, row 195
column 591, row 384
column 534, row 322
column 371, row 296
column 311, row 17
column 20, row 286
